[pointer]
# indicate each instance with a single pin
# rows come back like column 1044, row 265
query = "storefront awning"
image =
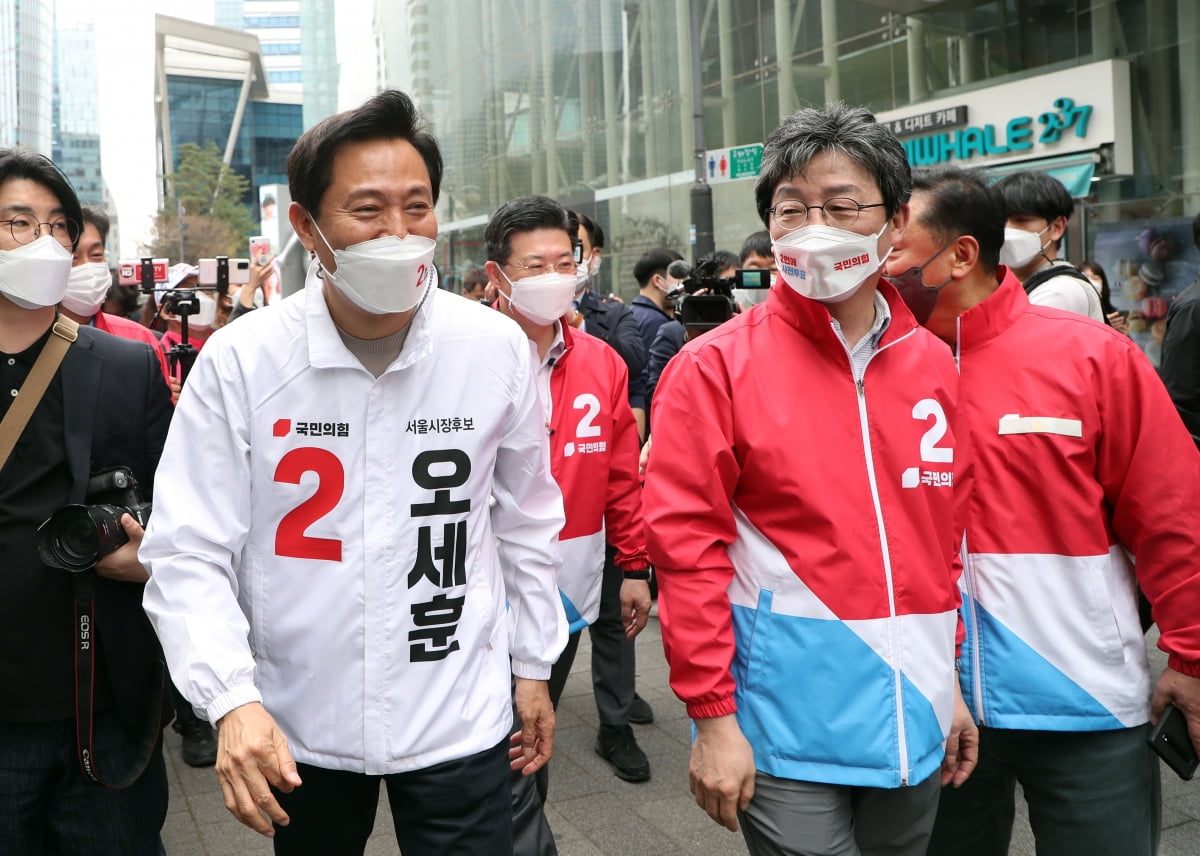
column 1075, row 171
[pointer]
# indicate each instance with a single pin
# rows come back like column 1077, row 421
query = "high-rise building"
column 26, row 73
column 277, row 25
column 591, row 102
column 216, row 91
column 318, row 59
column 76, row 111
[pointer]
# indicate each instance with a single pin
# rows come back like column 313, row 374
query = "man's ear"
column 1058, row 228
column 966, row 254
column 302, row 224
column 496, row 278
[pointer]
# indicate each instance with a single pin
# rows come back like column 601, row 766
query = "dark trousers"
column 613, row 664
column 459, row 808
column 531, row 832
column 48, row 806
column 1090, row 793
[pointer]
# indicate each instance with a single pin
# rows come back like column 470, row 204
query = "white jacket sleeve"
column 196, row 532
column 527, row 517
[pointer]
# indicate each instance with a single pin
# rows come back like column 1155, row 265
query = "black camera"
column 77, row 536
column 702, row 312
column 181, row 301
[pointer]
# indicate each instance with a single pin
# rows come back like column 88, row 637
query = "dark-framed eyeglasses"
column 26, row 229
column 841, row 211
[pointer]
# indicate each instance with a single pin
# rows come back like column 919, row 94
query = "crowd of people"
column 921, row 500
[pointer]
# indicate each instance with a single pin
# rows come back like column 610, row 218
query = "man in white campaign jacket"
column 327, row 578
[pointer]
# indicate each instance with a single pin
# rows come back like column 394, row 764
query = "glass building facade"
column 76, row 144
column 202, row 110
column 26, row 69
column 590, row 101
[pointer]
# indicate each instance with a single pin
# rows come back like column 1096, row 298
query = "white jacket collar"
column 325, row 346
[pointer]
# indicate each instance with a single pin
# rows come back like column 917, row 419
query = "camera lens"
column 76, row 539
column 77, row 536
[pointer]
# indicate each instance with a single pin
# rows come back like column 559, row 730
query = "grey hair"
column 838, row 127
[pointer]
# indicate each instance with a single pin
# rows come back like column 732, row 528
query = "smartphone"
column 239, row 273
column 1171, row 741
column 260, row 249
column 129, row 271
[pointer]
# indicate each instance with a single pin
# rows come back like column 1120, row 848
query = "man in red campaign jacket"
column 90, row 280
column 806, row 529
column 593, row 454
column 1080, row 463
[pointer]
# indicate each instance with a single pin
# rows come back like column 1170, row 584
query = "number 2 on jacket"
column 290, row 537
column 931, row 452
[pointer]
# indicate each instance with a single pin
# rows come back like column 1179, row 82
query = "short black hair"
column 757, row 244
column 390, row 115
column 594, row 232
column 522, row 215
column 97, row 217
column 1196, row 231
column 961, row 202
column 653, row 262
column 1035, row 193
column 851, row 131
column 25, row 163
column 723, row 258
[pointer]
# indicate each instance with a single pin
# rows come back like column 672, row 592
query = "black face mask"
column 917, row 296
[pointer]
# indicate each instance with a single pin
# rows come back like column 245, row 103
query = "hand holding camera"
column 103, row 534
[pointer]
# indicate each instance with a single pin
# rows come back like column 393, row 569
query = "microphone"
column 679, row 269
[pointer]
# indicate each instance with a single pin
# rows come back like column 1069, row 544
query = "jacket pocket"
column 1098, row 602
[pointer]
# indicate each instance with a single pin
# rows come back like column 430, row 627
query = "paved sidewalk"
column 592, row 812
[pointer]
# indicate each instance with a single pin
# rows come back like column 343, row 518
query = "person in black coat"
column 1180, row 369
column 107, row 405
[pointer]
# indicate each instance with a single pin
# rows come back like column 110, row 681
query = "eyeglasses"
column 568, row 266
column 840, row 211
column 25, row 229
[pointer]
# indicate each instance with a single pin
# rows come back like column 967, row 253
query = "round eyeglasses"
column 841, row 211
column 26, row 229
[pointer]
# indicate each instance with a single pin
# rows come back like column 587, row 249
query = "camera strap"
column 83, row 585
column 51, row 356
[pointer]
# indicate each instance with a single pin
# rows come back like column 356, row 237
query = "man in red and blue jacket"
column 1081, row 463
column 804, row 530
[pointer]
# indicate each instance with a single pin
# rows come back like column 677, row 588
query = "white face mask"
column 828, row 264
column 87, row 287
column 1021, row 247
column 384, row 275
column 35, row 274
column 544, row 298
column 582, row 276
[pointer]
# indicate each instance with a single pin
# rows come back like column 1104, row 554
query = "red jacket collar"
column 812, row 319
column 992, row 316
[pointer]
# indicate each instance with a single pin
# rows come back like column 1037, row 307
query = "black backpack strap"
column 1051, row 272
column 1046, row 274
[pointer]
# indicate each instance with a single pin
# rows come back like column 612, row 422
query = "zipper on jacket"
column 969, row 574
column 893, row 642
column 976, row 665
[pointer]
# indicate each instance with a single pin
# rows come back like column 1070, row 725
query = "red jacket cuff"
column 1192, row 670
column 711, row 709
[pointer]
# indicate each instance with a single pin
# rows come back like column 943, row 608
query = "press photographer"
column 705, row 298
column 76, row 401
